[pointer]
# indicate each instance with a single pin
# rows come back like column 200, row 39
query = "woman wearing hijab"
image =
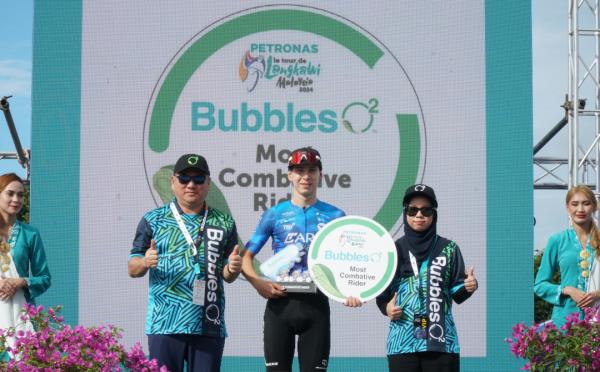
column 575, row 253
column 430, row 275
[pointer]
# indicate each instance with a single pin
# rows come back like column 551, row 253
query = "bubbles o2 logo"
column 234, row 88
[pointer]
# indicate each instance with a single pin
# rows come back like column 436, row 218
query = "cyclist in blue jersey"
column 430, row 275
column 294, row 222
column 189, row 249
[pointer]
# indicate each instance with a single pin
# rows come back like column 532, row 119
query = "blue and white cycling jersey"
column 289, row 224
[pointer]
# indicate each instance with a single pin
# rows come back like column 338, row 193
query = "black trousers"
column 201, row 353
column 429, row 361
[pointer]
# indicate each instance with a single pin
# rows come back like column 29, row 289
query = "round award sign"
column 352, row 256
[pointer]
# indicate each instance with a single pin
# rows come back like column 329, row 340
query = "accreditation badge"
column 198, row 292
column 420, row 326
column 352, row 256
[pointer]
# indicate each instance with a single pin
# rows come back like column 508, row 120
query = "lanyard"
column 413, row 263
column 187, row 235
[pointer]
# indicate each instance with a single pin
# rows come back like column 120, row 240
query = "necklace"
column 4, row 256
column 5, row 251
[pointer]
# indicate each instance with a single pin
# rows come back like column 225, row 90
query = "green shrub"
column 24, row 214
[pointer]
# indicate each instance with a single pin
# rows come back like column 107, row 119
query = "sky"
column 550, row 52
column 549, row 79
column 16, row 30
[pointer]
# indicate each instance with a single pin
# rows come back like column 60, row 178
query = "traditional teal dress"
column 27, row 261
column 564, row 252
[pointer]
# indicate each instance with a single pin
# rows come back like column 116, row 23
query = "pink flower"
column 576, row 346
column 544, row 335
column 58, row 347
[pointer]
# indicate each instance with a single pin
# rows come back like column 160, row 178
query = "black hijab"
column 419, row 243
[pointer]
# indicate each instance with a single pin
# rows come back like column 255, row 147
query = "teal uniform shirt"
column 440, row 282
column 30, row 260
column 170, row 306
column 563, row 252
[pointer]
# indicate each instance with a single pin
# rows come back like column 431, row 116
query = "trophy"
column 277, row 268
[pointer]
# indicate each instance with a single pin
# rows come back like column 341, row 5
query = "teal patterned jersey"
column 170, row 307
column 440, row 281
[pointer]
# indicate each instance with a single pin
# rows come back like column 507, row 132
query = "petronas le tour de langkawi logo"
column 249, row 88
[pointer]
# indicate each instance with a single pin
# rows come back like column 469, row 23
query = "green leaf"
column 348, row 126
column 325, row 278
column 161, row 181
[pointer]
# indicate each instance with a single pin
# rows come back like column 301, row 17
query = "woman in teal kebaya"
column 575, row 253
column 24, row 272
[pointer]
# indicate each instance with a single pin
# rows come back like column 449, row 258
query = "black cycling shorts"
column 305, row 315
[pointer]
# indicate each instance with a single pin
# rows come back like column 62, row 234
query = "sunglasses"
column 425, row 211
column 198, row 180
column 304, row 157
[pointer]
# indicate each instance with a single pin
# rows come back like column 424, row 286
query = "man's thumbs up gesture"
column 470, row 280
column 234, row 264
column 151, row 256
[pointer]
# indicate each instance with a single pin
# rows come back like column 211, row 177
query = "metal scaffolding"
column 21, row 155
column 581, row 165
column 584, row 84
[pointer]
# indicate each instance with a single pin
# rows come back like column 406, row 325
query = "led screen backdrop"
column 391, row 93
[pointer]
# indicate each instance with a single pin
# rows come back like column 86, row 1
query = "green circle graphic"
column 270, row 18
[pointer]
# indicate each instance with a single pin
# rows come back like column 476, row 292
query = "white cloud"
column 15, row 77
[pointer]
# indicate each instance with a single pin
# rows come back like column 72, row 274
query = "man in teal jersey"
column 188, row 248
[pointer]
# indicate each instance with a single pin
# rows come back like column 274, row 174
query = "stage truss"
column 582, row 107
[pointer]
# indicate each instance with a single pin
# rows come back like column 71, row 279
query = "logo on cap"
column 420, row 187
column 192, row 160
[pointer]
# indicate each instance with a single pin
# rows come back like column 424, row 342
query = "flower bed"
column 575, row 347
column 55, row 346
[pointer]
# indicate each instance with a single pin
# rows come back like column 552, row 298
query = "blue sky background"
column 550, row 58
column 16, row 29
column 550, row 53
